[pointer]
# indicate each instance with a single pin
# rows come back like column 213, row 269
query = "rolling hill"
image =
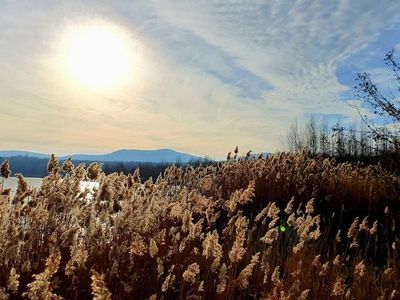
column 123, row 155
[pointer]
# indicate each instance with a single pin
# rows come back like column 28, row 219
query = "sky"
column 204, row 76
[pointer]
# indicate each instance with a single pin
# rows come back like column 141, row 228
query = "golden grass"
column 286, row 227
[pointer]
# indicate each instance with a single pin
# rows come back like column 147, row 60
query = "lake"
column 12, row 183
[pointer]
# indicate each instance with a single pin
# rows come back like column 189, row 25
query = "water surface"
column 33, row 182
column 12, row 183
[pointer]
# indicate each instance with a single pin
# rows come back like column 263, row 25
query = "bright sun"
column 98, row 55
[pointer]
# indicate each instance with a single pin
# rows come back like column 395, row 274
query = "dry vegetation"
column 286, row 227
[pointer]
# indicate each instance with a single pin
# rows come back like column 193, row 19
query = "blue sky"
column 210, row 75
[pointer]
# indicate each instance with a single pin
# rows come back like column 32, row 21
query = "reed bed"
column 285, row 227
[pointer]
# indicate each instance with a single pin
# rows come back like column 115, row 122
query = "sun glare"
column 98, row 55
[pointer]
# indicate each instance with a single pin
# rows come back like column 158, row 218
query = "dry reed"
column 285, row 227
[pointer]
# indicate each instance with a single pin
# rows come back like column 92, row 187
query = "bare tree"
column 352, row 141
column 324, row 144
column 363, row 138
column 311, row 136
column 294, row 139
column 386, row 105
column 339, row 139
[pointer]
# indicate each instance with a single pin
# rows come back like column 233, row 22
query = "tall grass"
column 286, row 227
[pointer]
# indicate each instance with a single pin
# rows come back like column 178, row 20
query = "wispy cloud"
column 213, row 74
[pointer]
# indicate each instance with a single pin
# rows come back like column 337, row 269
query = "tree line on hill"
column 37, row 167
column 317, row 138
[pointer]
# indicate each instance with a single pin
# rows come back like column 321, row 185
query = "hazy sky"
column 207, row 75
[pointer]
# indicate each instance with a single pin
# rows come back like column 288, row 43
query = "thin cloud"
column 212, row 74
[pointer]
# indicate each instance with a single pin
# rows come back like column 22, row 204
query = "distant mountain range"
column 124, row 155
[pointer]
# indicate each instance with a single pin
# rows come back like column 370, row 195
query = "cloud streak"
column 213, row 74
